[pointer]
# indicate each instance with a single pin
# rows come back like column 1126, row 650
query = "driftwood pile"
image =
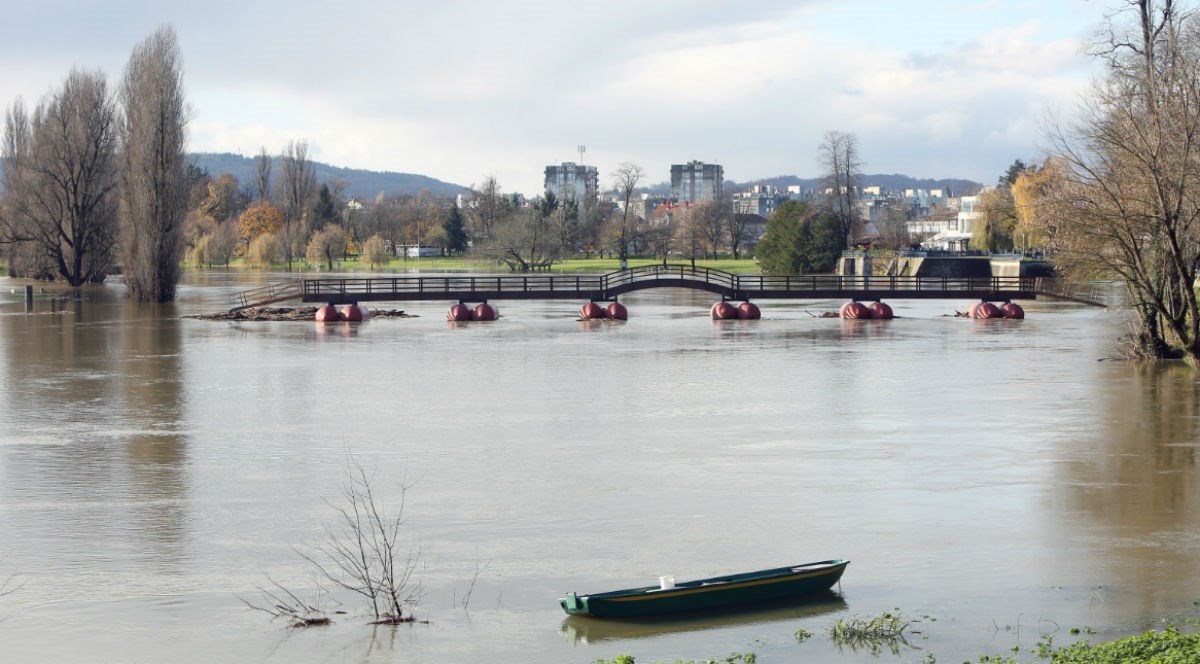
column 288, row 313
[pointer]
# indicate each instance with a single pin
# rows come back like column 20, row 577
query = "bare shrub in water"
column 362, row 551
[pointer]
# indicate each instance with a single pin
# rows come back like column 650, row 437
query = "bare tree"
column 60, row 182
column 1128, row 203
column 154, row 191
column 284, row 604
column 297, row 183
column 739, row 226
column 591, row 224
column 525, row 239
column 484, row 208
column 710, row 223
column 262, row 175
column 625, row 181
column 223, row 243
column 362, row 551
column 840, row 165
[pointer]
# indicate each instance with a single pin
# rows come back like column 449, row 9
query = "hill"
column 359, row 183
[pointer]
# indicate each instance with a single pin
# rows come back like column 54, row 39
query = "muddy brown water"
column 994, row 480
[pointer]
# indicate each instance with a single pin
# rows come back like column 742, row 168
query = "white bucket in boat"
column 666, row 582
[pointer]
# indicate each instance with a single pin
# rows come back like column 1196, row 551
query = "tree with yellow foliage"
column 1032, row 194
column 992, row 230
column 260, row 218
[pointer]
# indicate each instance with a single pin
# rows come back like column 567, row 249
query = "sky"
column 460, row 90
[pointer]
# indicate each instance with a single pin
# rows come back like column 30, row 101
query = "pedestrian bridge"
column 605, row 287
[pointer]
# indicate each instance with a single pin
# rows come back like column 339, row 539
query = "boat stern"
column 573, row 605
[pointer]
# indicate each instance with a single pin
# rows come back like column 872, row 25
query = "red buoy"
column 352, row 313
column 484, row 311
column 985, row 310
column 1012, row 310
column 723, row 311
column 855, row 310
column 459, row 312
column 617, row 311
column 591, row 311
column 881, row 311
column 328, row 314
column 749, row 311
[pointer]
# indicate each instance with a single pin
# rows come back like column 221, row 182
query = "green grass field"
column 457, row 264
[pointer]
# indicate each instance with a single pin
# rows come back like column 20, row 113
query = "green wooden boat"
column 745, row 588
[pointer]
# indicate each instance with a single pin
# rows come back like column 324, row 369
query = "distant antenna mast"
column 582, row 149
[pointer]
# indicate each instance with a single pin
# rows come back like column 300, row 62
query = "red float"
column 723, row 311
column 1012, row 310
column 484, row 311
column 459, row 312
column 352, row 313
column 985, row 310
column 591, row 311
column 881, row 311
column 855, row 310
column 749, row 311
column 328, row 314
column 617, row 311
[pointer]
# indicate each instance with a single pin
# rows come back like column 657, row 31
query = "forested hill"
column 359, row 183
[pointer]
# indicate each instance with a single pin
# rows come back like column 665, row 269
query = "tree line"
column 94, row 177
column 1118, row 194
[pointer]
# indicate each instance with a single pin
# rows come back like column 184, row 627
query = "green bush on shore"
column 1161, row 647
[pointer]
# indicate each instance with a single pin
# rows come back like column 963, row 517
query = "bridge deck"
column 476, row 288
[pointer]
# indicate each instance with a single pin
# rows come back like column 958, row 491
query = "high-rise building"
column 575, row 181
column 696, row 181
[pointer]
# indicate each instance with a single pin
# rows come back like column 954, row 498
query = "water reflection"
column 593, row 324
column 585, row 630
column 95, row 398
column 152, row 390
column 336, row 330
column 1133, row 482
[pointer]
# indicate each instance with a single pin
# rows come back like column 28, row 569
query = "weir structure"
column 606, row 287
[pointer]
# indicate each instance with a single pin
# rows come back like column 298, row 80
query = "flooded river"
column 996, row 481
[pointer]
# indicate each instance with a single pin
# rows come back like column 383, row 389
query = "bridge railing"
column 881, row 283
column 733, row 285
column 649, row 273
column 433, row 285
column 276, row 292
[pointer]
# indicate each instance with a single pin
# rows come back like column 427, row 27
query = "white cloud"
column 465, row 88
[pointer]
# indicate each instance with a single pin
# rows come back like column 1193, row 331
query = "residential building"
column 575, row 181
column 761, row 199
column 696, row 181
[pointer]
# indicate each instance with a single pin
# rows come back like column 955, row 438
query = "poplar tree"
column 154, row 194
